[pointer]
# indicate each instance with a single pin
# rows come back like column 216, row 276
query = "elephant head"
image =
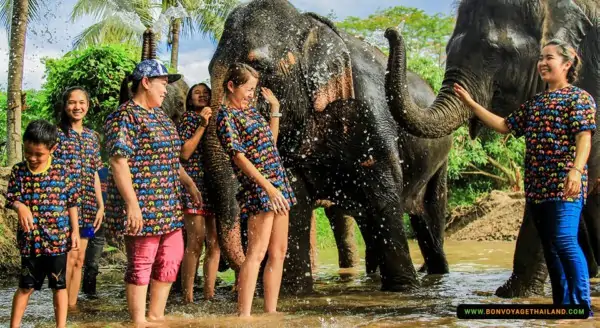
column 302, row 59
column 174, row 103
column 493, row 53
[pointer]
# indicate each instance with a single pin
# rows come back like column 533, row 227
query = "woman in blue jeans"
column 558, row 125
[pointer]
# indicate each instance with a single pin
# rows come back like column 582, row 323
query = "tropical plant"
column 124, row 21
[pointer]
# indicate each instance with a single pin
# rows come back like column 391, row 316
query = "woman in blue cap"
column 144, row 188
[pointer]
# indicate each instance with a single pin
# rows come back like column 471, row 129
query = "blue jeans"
column 557, row 223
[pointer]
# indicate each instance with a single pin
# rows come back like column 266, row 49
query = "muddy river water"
column 341, row 299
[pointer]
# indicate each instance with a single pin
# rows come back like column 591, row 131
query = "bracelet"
column 576, row 169
column 276, row 114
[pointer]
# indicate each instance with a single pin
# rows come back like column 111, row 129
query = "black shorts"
column 35, row 269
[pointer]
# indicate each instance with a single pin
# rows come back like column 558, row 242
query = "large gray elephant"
column 493, row 53
column 338, row 141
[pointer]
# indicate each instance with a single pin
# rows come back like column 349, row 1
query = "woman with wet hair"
column 265, row 195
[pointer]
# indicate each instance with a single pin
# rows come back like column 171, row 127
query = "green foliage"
column 36, row 108
column 99, row 69
column 477, row 166
column 425, row 35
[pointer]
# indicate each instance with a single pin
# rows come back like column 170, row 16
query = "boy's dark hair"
column 41, row 132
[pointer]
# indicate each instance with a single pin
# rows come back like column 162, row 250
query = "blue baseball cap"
column 153, row 68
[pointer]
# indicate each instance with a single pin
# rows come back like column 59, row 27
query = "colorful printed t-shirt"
column 246, row 131
column 550, row 121
column 149, row 141
column 49, row 195
column 81, row 152
column 188, row 124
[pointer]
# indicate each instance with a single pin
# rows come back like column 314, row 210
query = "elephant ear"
column 326, row 64
column 565, row 20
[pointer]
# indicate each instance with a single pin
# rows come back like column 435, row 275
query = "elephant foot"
column 403, row 288
column 517, row 287
column 438, row 268
column 423, row 268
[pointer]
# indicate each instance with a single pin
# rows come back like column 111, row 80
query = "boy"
column 41, row 192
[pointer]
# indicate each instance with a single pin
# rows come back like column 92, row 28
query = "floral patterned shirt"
column 49, row 195
column 188, row 124
column 149, row 141
column 81, row 152
column 550, row 121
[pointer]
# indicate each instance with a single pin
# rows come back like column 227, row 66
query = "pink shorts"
column 156, row 257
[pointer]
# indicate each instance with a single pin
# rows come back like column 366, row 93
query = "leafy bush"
column 36, row 108
column 99, row 69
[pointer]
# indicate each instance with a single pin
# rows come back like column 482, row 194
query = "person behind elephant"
column 265, row 195
column 93, row 252
column 79, row 147
column 144, row 188
column 198, row 220
column 557, row 124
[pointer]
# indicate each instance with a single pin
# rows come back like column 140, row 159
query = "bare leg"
column 19, row 305
column 75, row 260
column 159, row 292
column 274, row 268
column 211, row 259
column 194, row 226
column 136, row 302
column 61, row 303
column 259, row 232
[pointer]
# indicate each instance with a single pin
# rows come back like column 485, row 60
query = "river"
column 341, row 298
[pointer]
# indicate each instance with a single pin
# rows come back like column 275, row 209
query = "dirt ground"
column 496, row 216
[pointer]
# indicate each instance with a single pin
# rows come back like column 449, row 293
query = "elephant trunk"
column 446, row 113
column 221, row 182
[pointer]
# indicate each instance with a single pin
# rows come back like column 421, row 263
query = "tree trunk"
column 18, row 31
column 175, row 29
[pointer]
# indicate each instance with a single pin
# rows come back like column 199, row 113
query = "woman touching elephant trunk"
column 557, row 125
column 442, row 117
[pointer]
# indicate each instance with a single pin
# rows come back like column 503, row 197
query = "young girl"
column 265, row 195
column 191, row 129
column 79, row 148
column 557, row 125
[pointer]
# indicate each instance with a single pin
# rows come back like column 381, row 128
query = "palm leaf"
column 110, row 30
column 6, row 12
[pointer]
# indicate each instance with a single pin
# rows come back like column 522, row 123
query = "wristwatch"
column 276, row 115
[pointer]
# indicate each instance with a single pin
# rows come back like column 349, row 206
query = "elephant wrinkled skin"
column 338, row 142
column 493, row 53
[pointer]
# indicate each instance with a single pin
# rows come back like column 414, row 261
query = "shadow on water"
column 342, row 298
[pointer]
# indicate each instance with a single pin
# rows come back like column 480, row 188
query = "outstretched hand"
column 463, row 94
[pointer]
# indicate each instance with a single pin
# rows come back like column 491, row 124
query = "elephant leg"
column 395, row 264
column 371, row 258
column 345, row 239
column 591, row 219
column 529, row 267
column 297, row 273
column 429, row 227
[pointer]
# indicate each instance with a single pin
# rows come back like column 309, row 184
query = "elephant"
column 338, row 142
column 493, row 53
